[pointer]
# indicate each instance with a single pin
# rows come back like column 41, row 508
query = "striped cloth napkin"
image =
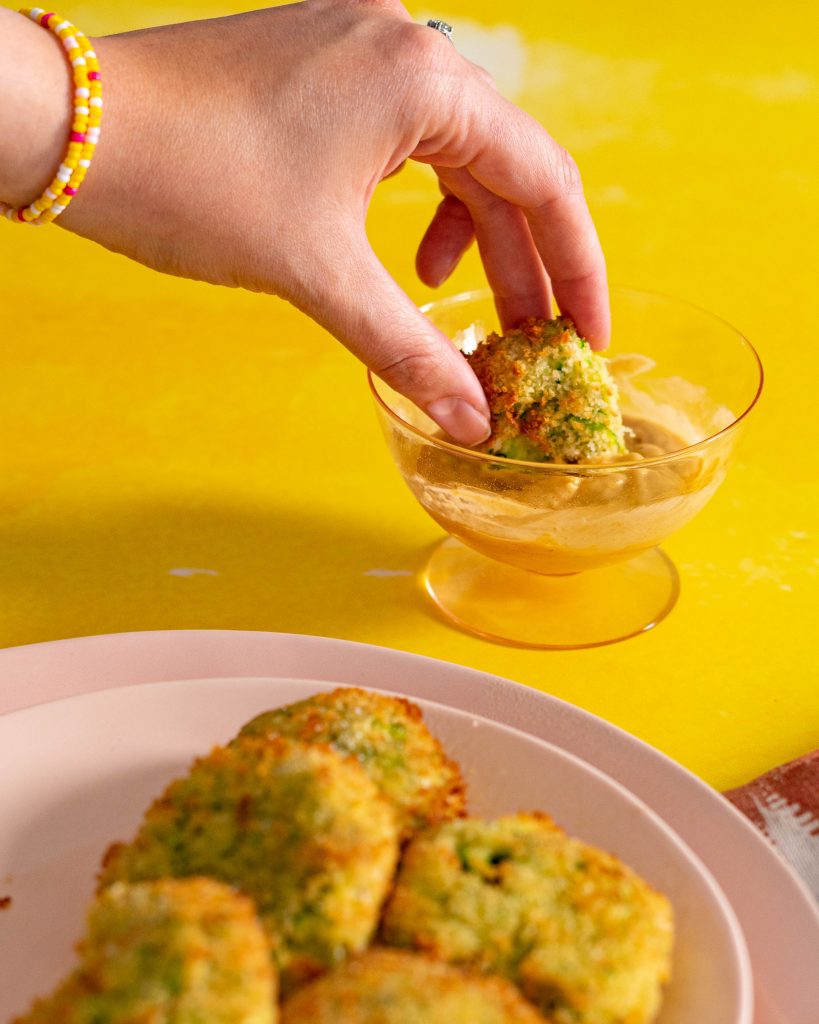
column 784, row 804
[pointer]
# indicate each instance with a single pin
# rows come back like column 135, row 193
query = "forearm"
column 35, row 108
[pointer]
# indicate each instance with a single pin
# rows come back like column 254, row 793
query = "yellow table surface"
column 195, row 427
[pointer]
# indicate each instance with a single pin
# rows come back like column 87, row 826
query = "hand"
column 245, row 150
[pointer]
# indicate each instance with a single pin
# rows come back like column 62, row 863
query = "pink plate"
column 103, row 756
column 778, row 917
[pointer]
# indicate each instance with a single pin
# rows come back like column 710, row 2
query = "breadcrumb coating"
column 388, row 737
column 297, row 827
column 385, row 986
column 551, row 398
column 584, row 937
column 175, row 951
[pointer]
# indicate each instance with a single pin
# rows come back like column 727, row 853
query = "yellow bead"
column 40, row 211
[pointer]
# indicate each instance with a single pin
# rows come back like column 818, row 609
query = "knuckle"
column 488, row 204
column 486, row 77
column 567, row 173
column 413, row 371
column 560, row 182
column 421, row 48
column 456, row 209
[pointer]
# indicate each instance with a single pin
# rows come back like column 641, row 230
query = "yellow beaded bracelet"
column 85, row 126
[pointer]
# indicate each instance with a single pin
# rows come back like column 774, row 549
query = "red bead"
column 44, row 19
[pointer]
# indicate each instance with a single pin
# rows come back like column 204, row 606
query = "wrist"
column 36, row 101
column 112, row 181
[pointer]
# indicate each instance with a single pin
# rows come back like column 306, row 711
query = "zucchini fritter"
column 388, row 737
column 551, row 398
column 585, row 939
column 385, row 986
column 167, row 952
column 297, row 827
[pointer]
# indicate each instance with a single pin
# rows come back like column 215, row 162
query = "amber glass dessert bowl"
column 555, row 555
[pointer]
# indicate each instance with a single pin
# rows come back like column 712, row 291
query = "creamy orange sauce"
column 558, row 520
column 649, row 439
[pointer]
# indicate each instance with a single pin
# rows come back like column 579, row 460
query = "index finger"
column 510, row 154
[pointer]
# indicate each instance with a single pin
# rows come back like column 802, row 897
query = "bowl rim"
column 580, row 469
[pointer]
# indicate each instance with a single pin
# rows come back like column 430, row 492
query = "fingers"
column 483, row 74
column 514, row 158
column 358, row 302
column 513, row 265
column 449, row 235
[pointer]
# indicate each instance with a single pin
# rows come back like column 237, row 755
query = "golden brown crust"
column 551, row 399
column 388, row 737
column 585, row 939
column 298, row 827
column 174, row 949
column 384, row 986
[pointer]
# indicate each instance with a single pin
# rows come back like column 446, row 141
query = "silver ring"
column 441, row 26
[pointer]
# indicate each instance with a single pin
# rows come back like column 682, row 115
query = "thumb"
column 358, row 302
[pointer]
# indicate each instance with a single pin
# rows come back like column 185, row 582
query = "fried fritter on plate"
column 583, row 937
column 297, row 827
column 175, row 951
column 388, row 737
column 386, row 986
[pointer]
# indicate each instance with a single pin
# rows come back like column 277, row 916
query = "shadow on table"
column 204, row 566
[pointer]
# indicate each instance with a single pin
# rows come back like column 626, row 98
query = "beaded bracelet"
column 85, row 127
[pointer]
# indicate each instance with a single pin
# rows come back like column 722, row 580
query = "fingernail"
column 460, row 420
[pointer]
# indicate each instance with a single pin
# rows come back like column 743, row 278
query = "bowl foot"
column 512, row 606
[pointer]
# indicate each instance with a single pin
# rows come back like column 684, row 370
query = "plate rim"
column 145, row 656
column 108, row 698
